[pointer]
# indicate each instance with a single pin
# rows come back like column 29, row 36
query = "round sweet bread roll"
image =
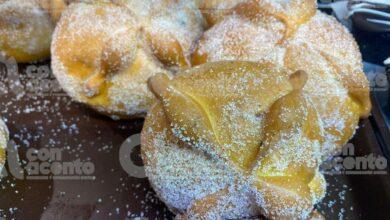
column 4, row 136
column 172, row 28
column 100, row 57
column 25, row 30
column 234, row 140
column 315, row 43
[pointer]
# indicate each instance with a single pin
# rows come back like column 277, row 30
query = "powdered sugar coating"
column 333, row 114
column 330, row 63
column 240, row 115
column 25, row 30
column 168, row 23
column 257, row 42
column 181, row 175
column 127, row 95
column 107, row 24
column 215, row 10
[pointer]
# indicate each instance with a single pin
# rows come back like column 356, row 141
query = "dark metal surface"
column 54, row 121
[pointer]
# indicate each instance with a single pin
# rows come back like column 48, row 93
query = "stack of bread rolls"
column 244, row 98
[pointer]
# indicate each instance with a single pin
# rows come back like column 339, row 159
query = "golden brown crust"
column 172, row 28
column 202, row 109
column 169, row 52
column 334, row 66
column 291, row 13
column 25, row 30
column 26, row 27
column 107, row 68
column 54, row 8
column 101, row 58
column 215, row 10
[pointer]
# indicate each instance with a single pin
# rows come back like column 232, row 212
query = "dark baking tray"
column 50, row 119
